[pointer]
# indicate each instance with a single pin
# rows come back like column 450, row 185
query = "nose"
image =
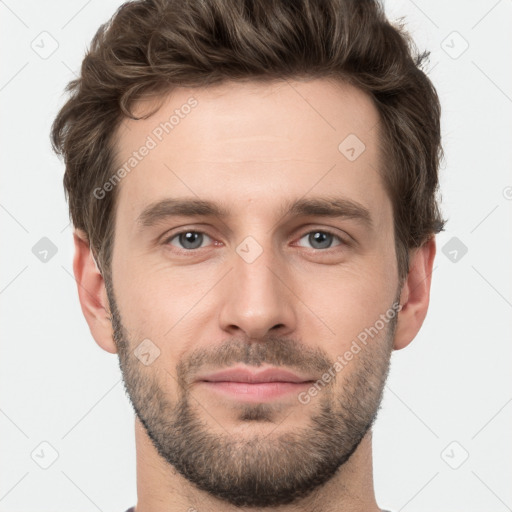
column 258, row 298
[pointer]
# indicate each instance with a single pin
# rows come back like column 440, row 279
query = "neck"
column 161, row 487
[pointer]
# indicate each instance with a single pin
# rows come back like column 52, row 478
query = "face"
column 251, row 238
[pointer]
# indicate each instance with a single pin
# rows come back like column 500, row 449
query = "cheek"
column 344, row 301
column 158, row 302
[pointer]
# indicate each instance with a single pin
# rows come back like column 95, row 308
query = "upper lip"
column 254, row 376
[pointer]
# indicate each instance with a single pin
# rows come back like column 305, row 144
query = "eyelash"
column 167, row 241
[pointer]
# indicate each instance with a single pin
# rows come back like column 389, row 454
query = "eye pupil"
column 321, row 238
column 191, row 237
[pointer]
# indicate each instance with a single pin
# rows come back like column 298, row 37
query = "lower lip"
column 256, row 392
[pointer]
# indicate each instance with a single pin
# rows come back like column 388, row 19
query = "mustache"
column 271, row 350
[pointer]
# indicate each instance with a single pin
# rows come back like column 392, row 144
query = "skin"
column 253, row 147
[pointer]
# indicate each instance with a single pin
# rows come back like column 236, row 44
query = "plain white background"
column 442, row 441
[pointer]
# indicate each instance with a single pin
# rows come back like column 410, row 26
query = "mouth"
column 250, row 385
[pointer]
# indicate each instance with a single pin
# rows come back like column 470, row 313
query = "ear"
column 92, row 293
column 415, row 294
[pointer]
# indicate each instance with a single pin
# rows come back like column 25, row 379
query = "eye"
column 320, row 239
column 188, row 240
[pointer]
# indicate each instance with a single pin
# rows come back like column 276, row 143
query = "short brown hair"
column 151, row 46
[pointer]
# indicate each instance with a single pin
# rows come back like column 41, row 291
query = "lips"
column 244, row 374
column 254, row 385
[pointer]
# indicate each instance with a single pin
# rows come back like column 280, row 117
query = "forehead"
column 248, row 141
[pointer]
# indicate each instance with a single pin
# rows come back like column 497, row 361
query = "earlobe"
column 92, row 293
column 415, row 294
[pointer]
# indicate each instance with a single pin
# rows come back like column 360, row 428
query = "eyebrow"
column 335, row 207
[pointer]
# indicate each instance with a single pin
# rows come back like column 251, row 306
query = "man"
column 252, row 186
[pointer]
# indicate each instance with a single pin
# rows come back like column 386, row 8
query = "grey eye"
column 321, row 239
column 189, row 239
